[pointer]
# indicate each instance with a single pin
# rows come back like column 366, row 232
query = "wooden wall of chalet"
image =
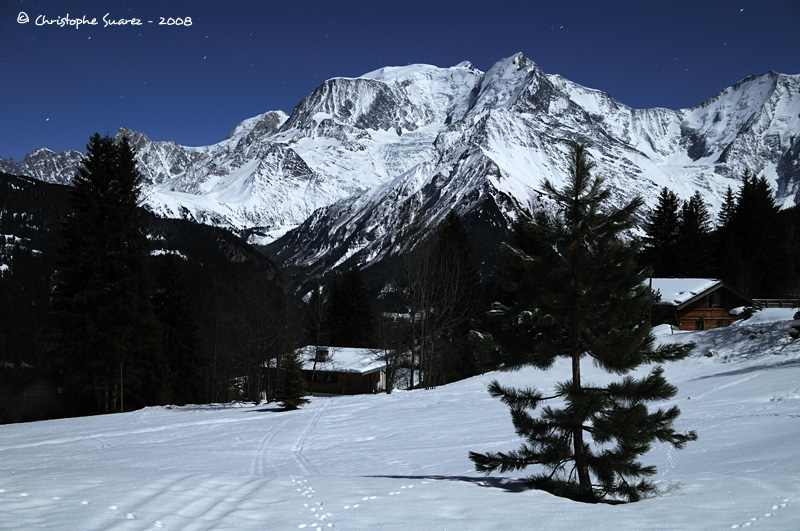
column 42, row 399
column 698, row 316
column 343, row 383
column 710, row 311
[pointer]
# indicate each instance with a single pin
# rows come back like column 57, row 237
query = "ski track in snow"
column 261, row 458
column 297, row 451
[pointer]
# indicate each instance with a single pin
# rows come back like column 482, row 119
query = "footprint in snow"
column 774, row 508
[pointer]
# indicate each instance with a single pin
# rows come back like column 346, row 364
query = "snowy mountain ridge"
column 387, row 154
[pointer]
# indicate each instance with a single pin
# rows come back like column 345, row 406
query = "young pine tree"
column 580, row 296
column 291, row 392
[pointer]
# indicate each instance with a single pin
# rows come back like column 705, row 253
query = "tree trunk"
column 584, row 480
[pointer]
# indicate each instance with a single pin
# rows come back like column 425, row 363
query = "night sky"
column 194, row 83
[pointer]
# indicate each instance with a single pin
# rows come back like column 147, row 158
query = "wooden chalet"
column 342, row 371
column 696, row 303
column 42, row 399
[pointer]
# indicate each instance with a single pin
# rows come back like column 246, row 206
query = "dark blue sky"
column 240, row 58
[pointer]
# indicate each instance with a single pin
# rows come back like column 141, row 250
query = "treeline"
column 123, row 310
column 119, row 309
column 751, row 246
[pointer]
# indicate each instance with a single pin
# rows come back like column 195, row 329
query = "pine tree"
column 291, row 393
column 581, row 296
column 661, row 231
column 101, row 300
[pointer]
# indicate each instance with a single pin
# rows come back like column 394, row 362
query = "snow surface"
column 679, row 290
column 343, row 359
column 400, row 461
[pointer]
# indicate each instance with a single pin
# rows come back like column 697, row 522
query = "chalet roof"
column 682, row 291
column 342, row 359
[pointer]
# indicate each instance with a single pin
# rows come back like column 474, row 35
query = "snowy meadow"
column 400, row 461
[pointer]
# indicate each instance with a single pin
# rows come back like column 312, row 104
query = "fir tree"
column 661, row 231
column 291, row 393
column 693, row 253
column 728, row 208
column 754, row 257
column 101, row 301
column 581, row 296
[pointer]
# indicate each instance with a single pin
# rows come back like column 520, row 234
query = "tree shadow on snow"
column 272, row 409
column 506, row 484
column 754, row 368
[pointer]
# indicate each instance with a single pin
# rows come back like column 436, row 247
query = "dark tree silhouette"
column 107, row 329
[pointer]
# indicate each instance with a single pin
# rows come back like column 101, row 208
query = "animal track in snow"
column 769, row 514
column 317, row 508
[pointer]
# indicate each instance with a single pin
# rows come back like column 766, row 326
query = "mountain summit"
column 364, row 164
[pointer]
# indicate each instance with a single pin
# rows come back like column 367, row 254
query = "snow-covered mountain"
column 387, row 155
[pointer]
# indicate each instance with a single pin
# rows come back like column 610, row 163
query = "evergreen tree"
column 180, row 341
column 661, row 229
column 693, row 253
column 350, row 311
column 751, row 244
column 315, row 322
column 101, row 300
column 291, row 393
column 581, row 296
column 455, row 291
column 728, row 208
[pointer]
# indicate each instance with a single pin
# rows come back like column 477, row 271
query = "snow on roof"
column 677, row 291
column 342, row 359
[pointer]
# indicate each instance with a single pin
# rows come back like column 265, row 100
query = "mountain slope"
column 391, row 151
column 516, row 131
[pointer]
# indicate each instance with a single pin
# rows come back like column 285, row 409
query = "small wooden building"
column 696, row 303
column 342, row 371
column 42, row 399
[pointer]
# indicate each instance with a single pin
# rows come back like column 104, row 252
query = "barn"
column 696, row 303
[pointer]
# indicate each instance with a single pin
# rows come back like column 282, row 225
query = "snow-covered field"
column 400, row 461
